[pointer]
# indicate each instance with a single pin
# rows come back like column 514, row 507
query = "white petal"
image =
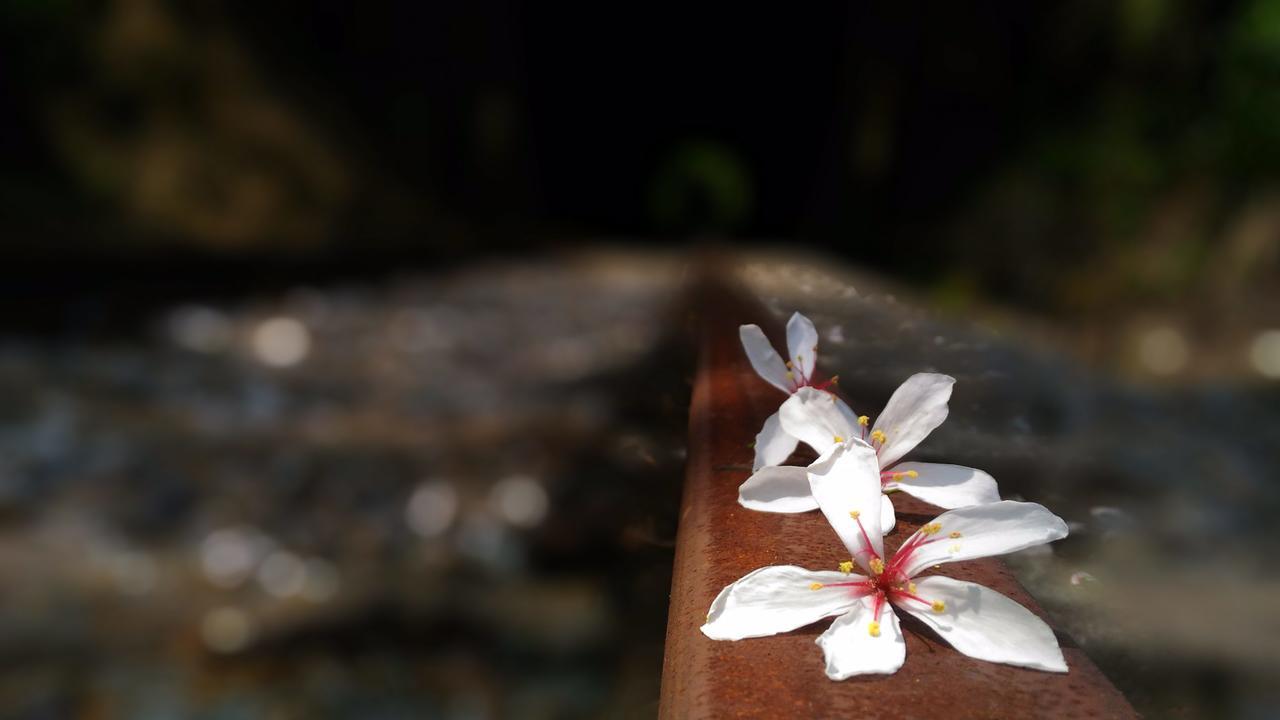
column 887, row 517
column 947, row 486
column 776, row 599
column 764, row 358
column 984, row 624
column 851, row 649
column 773, row 444
column 845, row 482
column 985, row 530
column 817, row 418
column 778, row 488
column 802, row 343
column 917, row 407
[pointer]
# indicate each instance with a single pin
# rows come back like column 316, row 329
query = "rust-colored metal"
column 782, row 676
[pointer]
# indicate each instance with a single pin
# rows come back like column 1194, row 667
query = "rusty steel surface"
column 782, row 676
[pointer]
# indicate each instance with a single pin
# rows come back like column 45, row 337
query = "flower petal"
column 887, row 517
column 846, row 484
column 917, row 407
column 764, row 358
column 773, row 444
column 851, row 649
column 778, row 488
column 947, row 486
column 818, row 419
column 776, row 599
column 802, row 343
column 984, row 624
column 984, row 530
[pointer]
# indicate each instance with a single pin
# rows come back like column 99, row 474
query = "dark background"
column 1037, row 154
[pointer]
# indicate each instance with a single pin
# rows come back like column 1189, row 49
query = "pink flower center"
column 799, row 379
column 889, row 581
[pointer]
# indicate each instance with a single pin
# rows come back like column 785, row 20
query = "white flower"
column 865, row 637
column 773, row 446
column 917, row 407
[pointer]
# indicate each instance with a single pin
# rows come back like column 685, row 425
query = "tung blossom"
column 917, row 407
column 865, row 638
column 773, row 445
column 779, row 488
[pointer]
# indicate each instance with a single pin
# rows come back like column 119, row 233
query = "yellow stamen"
column 834, row 380
column 846, row 567
column 837, row 438
column 911, row 588
column 873, row 628
column 790, row 375
column 955, row 534
column 954, row 548
column 911, row 474
column 931, row 529
column 863, row 420
column 815, row 586
column 879, row 436
column 939, row 606
column 788, row 364
column 855, row 514
column 877, row 566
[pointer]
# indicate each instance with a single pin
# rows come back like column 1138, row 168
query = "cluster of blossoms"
column 859, row 463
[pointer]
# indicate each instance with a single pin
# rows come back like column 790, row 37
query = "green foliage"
column 701, row 187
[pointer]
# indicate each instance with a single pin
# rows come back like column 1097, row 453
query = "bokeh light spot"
column 1163, row 350
column 282, row 574
column 281, row 342
column 1264, row 353
column 432, row 508
column 520, row 500
column 226, row 629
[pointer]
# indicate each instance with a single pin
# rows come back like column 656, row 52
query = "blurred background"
column 343, row 367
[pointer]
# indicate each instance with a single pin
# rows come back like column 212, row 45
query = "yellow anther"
column 863, row 420
column 911, row 588
column 846, row 567
column 873, row 628
column 855, row 514
column 955, row 534
column 835, row 379
column 837, row 438
column 788, row 364
column 954, row 548
column 911, row 473
column 815, row 586
column 877, row 566
column 931, row 529
column 939, row 606
column 879, row 436
column 790, row 375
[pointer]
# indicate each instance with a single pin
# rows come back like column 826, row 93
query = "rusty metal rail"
column 782, row 676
